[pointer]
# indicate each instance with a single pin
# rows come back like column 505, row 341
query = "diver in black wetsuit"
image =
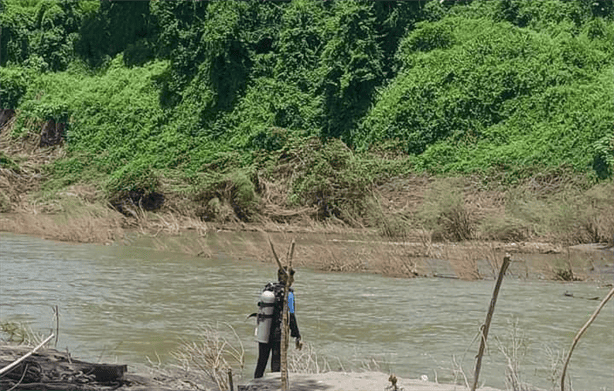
column 273, row 342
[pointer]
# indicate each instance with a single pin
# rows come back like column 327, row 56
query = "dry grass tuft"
column 20, row 333
column 446, row 213
column 514, row 350
column 215, row 354
column 504, row 228
column 307, row 360
column 388, row 224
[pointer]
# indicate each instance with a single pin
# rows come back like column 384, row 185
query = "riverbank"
column 325, row 247
column 395, row 226
column 53, row 370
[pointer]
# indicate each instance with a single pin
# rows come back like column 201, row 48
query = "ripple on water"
column 129, row 303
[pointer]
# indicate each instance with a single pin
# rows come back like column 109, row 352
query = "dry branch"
column 580, row 332
column 486, row 325
column 16, row 362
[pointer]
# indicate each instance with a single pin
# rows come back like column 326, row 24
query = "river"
column 127, row 303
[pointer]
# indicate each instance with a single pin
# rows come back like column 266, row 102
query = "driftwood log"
column 49, row 369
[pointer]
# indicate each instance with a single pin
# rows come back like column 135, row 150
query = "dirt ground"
column 349, row 381
column 328, row 381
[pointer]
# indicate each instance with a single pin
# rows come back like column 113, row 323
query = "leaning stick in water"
column 16, row 362
column 580, row 332
column 486, row 325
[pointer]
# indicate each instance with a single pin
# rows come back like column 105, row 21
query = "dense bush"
column 331, row 178
column 134, row 187
column 12, row 87
column 197, row 86
column 484, row 96
column 226, row 197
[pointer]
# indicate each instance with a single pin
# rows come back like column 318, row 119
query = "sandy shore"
column 348, row 381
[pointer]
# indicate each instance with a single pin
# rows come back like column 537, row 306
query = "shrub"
column 594, row 216
column 5, row 203
column 7, row 162
column 226, row 197
column 426, row 37
column 504, row 228
column 488, row 96
column 17, row 20
column 133, row 187
column 13, row 86
column 388, row 225
column 350, row 68
column 444, row 212
column 331, row 178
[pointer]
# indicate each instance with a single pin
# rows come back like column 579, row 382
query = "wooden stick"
column 56, row 313
column 291, row 250
column 230, row 383
column 486, row 325
column 285, row 330
column 580, row 332
column 275, row 254
column 284, row 344
column 16, row 362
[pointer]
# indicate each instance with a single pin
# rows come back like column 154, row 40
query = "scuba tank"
column 264, row 319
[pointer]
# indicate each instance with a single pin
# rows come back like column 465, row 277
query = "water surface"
column 129, row 303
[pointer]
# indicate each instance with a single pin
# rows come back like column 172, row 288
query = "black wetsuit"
column 274, row 344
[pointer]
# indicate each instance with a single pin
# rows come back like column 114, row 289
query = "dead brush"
column 388, row 225
column 86, row 228
column 214, row 354
column 20, row 333
column 445, row 213
column 514, row 349
column 171, row 223
column 596, row 227
column 556, row 360
column 504, row 228
column 395, row 261
column 307, row 360
column 465, row 265
column 564, row 269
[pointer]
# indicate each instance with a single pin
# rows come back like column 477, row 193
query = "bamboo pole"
column 486, row 325
column 581, row 331
column 16, row 362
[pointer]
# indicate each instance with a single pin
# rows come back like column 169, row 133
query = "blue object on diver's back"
column 291, row 302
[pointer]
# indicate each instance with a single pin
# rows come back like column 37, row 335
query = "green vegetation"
column 207, row 99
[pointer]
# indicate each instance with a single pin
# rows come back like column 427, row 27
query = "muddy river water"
column 124, row 304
